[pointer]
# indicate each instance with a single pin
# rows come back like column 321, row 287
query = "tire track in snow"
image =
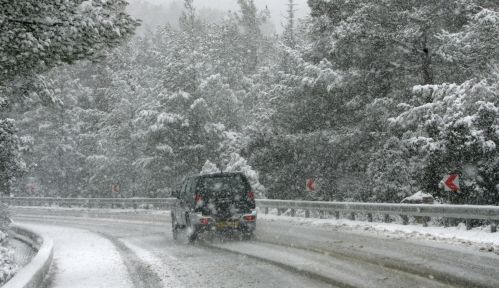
column 140, row 272
column 162, row 269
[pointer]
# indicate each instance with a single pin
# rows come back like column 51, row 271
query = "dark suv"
column 211, row 203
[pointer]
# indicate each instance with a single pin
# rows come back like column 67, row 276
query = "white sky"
column 277, row 7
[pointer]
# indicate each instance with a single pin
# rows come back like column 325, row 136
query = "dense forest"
column 376, row 100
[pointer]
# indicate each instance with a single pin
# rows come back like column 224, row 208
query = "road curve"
column 153, row 259
column 282, row 255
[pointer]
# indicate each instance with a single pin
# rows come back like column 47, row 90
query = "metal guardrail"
column 431, row 210
column 158, row 203
column 420, row 211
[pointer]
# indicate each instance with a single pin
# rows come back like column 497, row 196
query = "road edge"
column 33, row 274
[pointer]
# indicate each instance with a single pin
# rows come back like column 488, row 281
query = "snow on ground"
column 84, row 259
column 480, row 235
column 22, row 252
column 159, row 267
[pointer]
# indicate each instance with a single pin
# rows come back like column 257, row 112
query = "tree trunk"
column 426, row 65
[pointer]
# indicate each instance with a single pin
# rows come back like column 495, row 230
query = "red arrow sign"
column 115, row 188
column 451, row 182
column 310, row 183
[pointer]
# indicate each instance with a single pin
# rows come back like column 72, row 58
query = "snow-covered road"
column 152, row 258
column 79, row 260
column 284, row 253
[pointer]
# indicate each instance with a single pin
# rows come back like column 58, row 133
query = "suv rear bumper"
column 228, row 225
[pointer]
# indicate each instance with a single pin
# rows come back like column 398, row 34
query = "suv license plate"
column 227, row 224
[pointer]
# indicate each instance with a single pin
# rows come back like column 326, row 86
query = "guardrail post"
column 322, row 214
column 352, row 216
column 369, row 217
column 405, row 219
column 468, row 224
column 292, row 212
column 425, row 220
column 337, row 215
column 386, row 218
column 493, row 227
column 307, row 213
column 266, row 210
column 278, row 211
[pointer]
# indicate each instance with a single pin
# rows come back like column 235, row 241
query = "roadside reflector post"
column 468, row 224
column 493, row 227
column 425, row 219
column 369, row 217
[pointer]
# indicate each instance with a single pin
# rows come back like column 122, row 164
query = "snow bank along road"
column 136, row 250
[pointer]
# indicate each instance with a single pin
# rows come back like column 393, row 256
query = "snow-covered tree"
column 209, row 168
column 239, row 164
column 289, row 34
column 250, row 39
column 180, row 137
column 39, row 34
column 11, row 164
column 36, row 36
column 472, row 51
column 457, row 131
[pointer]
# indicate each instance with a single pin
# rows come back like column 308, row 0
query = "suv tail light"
column 204, row 221
column 249, row 218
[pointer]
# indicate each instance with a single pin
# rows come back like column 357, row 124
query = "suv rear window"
column 219, row 186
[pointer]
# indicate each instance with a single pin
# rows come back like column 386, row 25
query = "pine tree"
column 37, row 35
column 288, row 35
